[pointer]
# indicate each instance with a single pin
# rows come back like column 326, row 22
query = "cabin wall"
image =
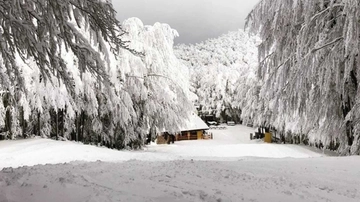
column 184, row 135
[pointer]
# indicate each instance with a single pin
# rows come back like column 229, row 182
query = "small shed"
column 194, row 129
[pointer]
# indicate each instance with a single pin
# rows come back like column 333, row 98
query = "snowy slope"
column 232, row 143
column 281, row 180
column 222, row 169
column 45, row 151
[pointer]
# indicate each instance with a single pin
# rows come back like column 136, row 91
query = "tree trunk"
column 62, row 120
column 82, row 125
column 39, row 125
column 77, row 127
column 8, row 122
column 57, row 125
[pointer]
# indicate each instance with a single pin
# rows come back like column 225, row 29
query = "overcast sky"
column 195, row 20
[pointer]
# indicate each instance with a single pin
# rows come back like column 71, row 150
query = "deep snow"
column 222, row 169
column 314, row 179
column 229, row 144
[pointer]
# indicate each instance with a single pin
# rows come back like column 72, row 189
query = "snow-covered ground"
column 45, row 151
column 229, row 144
column 312, row 179
column 222, row 169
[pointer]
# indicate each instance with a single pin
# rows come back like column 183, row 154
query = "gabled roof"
column 194, row 123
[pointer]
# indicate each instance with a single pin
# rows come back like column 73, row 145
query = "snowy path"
column 316, row 179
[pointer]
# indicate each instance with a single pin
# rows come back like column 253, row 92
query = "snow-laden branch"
column 263, row 61
column 221, row 72
column 327, row 44
column 314, row 17
column 313, row 93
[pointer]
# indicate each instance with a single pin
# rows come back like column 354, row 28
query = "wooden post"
column 188, row 134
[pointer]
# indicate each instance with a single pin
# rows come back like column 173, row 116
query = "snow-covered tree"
column 133, row 91
column 309, row 70
column 219, row 70
column 157, row 83
column 147, row 94
column 39, row 28
column 36, row 35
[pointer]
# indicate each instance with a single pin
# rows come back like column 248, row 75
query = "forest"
column 308, row 71
column 220, row 72
column 70, row 70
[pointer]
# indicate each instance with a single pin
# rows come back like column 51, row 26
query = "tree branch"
column 262, row 62
column 323, row 11
column 327, row 44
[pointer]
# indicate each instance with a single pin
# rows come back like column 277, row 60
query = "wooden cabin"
column 194, row 129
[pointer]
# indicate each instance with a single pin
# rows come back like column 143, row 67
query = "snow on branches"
column 221, row 70
column 68, row 71
column 39, row 28
column 309, row 68
column 157, row 83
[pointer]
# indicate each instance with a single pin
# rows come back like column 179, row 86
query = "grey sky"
column 195, row 20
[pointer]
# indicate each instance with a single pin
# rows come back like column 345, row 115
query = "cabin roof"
column 194, row 123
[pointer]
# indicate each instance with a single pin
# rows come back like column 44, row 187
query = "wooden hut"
column 194, row 129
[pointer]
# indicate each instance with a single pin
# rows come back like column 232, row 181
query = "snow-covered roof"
column 195, row 123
